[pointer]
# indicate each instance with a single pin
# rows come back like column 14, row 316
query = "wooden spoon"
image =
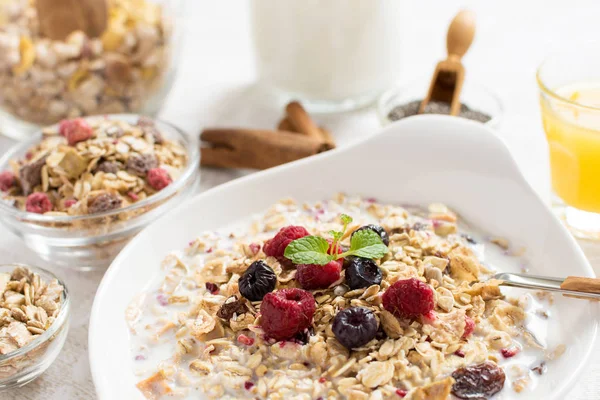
column 449, row 74
column 59, row 18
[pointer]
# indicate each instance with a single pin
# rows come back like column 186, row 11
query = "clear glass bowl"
column 92, row 241
column 27, row 363
column 129, row 69
column 475, row 96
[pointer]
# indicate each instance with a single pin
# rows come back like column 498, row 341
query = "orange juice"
column 573, row 132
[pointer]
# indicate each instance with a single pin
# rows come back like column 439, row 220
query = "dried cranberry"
column 478, row 382
column 212, row 287
column 30, row 175
column 401, row 393
column 158, row 178
column 245, row 340
column 70, row 203
column 469, row 326
column 460, row 353
column 140, row 164
column 232, row 307
column 248, row 385
column 508, row 353
column 38, row 203
column 7, row 181
column 104, row 202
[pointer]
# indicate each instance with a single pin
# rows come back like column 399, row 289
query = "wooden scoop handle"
column 581, row 284
column 460, row 34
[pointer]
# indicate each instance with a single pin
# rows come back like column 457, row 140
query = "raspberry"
column 158, row 178
column 276, row 247
column 409, row 298
column 75, row 130
column 38, row 203
column 469, row 326
column 312, row 276
column 7, row 180
column 286, row 312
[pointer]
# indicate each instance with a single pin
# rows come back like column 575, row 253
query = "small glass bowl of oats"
column 34, row 322
column 129, row 67
column 78, row 191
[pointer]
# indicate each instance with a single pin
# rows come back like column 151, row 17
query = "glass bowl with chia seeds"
column 78, row 191
column 478, row 103
column 34, row 322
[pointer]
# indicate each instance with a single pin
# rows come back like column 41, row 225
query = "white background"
column 214, row 88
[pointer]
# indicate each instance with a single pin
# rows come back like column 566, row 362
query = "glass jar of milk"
column 332, row 55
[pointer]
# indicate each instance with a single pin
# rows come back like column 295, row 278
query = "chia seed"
column 436, row 107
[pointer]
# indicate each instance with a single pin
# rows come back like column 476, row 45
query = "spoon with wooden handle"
column 572, row 286
column 59, row 18
column 449, row 74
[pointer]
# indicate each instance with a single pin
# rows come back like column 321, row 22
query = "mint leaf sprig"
column 314, row 249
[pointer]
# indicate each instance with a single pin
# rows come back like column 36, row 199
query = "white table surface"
column 214, row 88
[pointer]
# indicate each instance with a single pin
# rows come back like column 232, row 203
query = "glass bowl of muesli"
column 34, row 321
column 78, row 191
column 45, row 77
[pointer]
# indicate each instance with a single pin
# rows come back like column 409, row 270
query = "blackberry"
column 362, row 273
column 355, row 326
column 378, row 230
column 258, row 280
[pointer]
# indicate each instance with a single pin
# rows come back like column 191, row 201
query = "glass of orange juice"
column 569, row 84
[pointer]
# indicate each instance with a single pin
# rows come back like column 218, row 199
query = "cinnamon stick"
column 255, row 149
column 302, row 121
column 286, row 125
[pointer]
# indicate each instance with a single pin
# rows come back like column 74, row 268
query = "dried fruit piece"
column 158, row 178
column 109, row 167
column 362, row 272
column 140, row 164
column 38, row 203
column 355, row 326
column 75, row 130
column 72, row 163
column 230, row 307
column 27, row 52
column 104, row 202
column 478, row 382
column 258, row 280
column 7, row 181
column 30, row 175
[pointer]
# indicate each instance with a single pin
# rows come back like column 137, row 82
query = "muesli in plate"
column 342, row 299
